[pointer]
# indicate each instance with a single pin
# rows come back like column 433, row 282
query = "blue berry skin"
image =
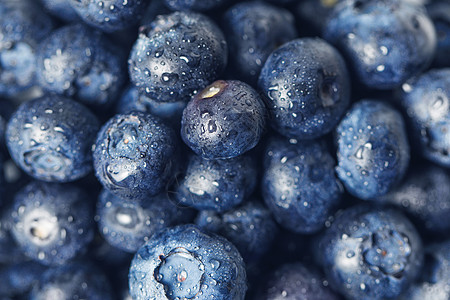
column 168, row 111
column 224, row 120
column 128, row 225
column 373, row 150
column 254, row 29
column 23, row 25
column 51, row 138
column 77, row 61
column 439, row 12
column 435, row 280
column 8, row 246
column 294, row 281
column 299, row 185
column 52, row 223
column 306, row 87
column 216, row 185
column 313, row 15
column 386, row 42
column 184, row 262
column 426, row 100
column 61, row 9
column 135, row 155
column 17, row 279
column 249, row 227
column 425, row 195
column 370, row 253
column 177, row 55
column 77, row 280
column 195, row 5
column 109, row 15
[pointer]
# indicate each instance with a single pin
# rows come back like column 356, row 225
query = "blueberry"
column 128, row 225
column 78, row 280
column 435, row 280
column 306, row 87
column 439, row 12
column 23, row 25
column 184, row 262
column 299, row 185
column 8, row 247
column 52, row 223
column 77, row 61
column 61, row 9
column 253, row 30
column 373, row 150
column 135, row 155
column 370, row 253
column 386, row 42
column 17, row 279
column 425, row 194
column 51, row 138
column 109, row 15
column 195, row 5
column 294, row 281
column 426, row 100
column 133, row 100
column 224, row 120
column 177, row 55
column 250, row 227
column 216, row 185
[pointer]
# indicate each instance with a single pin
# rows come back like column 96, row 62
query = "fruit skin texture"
column 176, row 56
column 135, row 155
column 373, row 151
column 52, row 223
column 306, row 88
column 386, row 42
column 370, row 253
column 51, row 138
column 439, row 12
column 224, row 120
column 109, row 15
column 294, row 281
column 299, row 185
column 195, row 5
column 253, row 30
column 184, row 261
column 426, row 101
column 216, row 185
column 23, row 25
column 77, row 61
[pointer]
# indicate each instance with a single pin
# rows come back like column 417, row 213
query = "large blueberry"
column 426, row 100
column 217, row 185
column 128, row 225
column 373, row 150
column 135, row 155
column 224, row 120
column 52, row 223
column 80, row 62
column 250, row 227
column 370, row 253
column 299, row 185
column 425, row 194
column 294, row 281
column 109, row 15
column 184, row 262
column 51, row 138
column 176, row 56
column 195, row 5
column 23, row 25
column 78, row 280
column 306, row 87
column 254, row 29
column 434, row 282
column 131, row 100
column 386, row 42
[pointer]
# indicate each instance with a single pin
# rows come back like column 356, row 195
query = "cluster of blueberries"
column 224, row 149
